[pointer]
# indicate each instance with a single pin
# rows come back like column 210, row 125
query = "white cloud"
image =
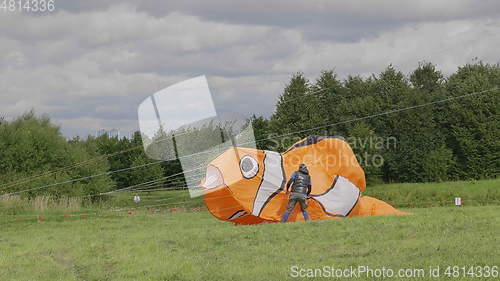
column 90, row 64
column 447, row 45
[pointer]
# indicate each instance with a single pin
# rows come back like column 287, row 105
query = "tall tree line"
column 458, row 139
column 34, row 154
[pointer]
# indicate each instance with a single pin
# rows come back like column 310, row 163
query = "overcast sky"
column 90, row 63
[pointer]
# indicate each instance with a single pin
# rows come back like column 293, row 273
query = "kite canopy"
column 246, row 185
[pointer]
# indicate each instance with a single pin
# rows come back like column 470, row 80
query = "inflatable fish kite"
column 247, row 186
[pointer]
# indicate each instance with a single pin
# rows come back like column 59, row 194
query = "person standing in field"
column 301, row 188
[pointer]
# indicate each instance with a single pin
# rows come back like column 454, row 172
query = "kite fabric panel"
column 247, row 186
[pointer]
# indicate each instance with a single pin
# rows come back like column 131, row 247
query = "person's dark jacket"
column 300, row 181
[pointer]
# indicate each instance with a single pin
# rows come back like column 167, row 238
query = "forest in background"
column 453, row 140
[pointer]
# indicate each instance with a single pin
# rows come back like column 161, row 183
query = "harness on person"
column 301, row 188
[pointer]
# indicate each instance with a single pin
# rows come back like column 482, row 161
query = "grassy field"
column 401, row 195
column 192, row 245
column 422, row 195
column 195, row 246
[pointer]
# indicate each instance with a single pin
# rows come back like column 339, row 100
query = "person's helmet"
column 303, row 168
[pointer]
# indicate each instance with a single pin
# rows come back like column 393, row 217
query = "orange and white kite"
column 246, row 185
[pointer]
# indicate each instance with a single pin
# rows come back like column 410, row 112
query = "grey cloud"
column 90, row 64
column 446, row 44
column 289, row 12
column 331, row 18
column 135, row 42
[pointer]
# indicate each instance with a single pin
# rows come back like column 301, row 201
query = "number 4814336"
column 27, row 5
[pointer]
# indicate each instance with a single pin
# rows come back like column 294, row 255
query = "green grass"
column 400, row 195
column 192, row 245
column 473, row 193
column 160, row 199
column 404, row 195
column 196, row 246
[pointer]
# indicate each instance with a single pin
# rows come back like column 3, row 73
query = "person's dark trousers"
column 292, row 201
